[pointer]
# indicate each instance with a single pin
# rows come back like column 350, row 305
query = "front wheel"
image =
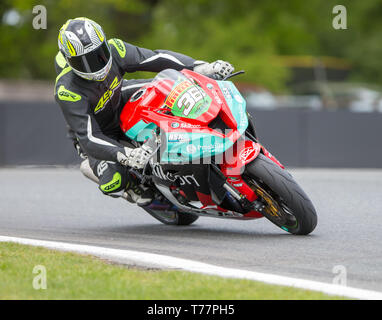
column 285, row 203
column 172, row 217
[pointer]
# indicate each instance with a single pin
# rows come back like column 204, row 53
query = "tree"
column 252, row 34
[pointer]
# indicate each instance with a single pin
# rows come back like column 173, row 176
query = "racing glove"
column 135, row 158
column 217, row 70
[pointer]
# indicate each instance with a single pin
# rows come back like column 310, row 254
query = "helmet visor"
column 92, row 61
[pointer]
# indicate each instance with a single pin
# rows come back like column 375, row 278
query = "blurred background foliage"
column 255, row 35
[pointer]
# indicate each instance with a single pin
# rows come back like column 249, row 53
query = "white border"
column 163, row 261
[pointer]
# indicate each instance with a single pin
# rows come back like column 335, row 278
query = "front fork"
column 248, row 196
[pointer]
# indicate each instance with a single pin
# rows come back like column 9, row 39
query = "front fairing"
column 186, row 106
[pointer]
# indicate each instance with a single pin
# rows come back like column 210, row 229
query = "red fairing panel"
column 272, row 157
column 241, row 153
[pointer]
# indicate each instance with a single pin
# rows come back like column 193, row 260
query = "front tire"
column 286, row 204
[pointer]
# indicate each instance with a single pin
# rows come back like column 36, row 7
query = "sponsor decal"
column 191, row 98
column 107, row 95
column 189, row 126
column 114, row 184
column 178, row 137
column 101, row 168
column 178, row 90
column 191, row 148
column 212, row 147
column 187, row 100
column 238, row 185
column 183, row 180
column 66, row 95
column 175, row 125
column 246, row 153
column 118, row 44
column 227, row 94
column 238, row 98
column 216, row 97
column 210, row 86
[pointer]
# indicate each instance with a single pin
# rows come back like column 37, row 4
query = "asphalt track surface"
column 60, row 204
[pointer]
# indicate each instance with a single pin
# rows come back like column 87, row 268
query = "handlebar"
column 233, row 75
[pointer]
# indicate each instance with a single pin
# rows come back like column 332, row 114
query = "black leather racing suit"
column 92, row 108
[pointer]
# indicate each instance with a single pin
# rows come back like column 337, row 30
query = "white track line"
column 199, row 267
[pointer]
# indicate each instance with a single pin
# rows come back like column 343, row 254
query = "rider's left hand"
column 135, row 158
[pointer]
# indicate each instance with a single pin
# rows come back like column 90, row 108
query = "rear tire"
column 291, row 199
column 174, row 218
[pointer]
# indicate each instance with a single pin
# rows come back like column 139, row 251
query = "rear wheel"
column 285, row 203
column 173, row 217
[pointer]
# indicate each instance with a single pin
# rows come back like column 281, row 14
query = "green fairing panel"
column 141, row 131
column 191, row 102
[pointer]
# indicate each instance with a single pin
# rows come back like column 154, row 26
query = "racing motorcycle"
column 207, row 160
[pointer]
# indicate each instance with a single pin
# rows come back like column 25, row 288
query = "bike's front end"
column 208, row 161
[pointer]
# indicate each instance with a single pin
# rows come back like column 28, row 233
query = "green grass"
column 73, row 276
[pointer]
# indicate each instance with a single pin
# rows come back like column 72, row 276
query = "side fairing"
column 236, row 103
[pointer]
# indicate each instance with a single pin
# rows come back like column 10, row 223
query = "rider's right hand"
column 135, row 158
column 217, row 70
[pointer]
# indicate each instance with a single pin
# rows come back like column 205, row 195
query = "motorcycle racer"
column 91, row 92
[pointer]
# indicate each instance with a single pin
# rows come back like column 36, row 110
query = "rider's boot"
column 140, row 195
column 133, row 193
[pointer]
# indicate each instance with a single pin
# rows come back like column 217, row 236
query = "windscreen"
column 184, row 96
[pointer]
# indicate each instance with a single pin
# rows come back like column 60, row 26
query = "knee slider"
column 116, row 184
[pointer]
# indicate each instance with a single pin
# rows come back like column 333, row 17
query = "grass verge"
column 74, row 276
